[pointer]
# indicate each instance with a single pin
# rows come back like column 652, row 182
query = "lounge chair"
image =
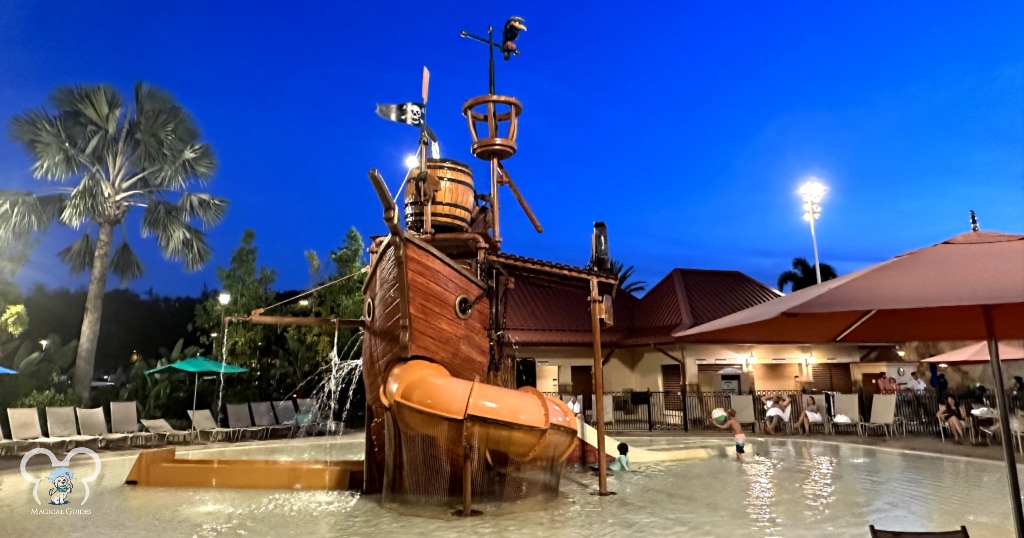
column 124, row 418
column 743, row 404
column 202, row 422
column 285, row 412
column 311, row 418
column 959, row 533
column 6, row 443
column 25, row 429
column 238, row 417
column 315, row 418
column 93, row 422
column 883, row 415
column 60, row 424
column 847, row 405
column 161, row 428
column 263, row 415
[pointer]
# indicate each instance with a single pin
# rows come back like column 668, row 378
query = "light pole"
column 224, row 298
column 811, row 193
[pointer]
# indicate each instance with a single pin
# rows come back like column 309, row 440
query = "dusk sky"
column 686, row 126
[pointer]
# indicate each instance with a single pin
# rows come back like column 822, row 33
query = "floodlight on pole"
column 224, row 298
column 811, row 193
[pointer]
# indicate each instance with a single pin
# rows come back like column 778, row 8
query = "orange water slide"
column 524, row 424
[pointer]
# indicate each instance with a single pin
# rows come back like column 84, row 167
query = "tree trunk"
column 86, row 359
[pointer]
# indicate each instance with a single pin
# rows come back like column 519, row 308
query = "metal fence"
column 653, row 410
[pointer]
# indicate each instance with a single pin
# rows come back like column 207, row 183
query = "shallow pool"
column 792, row 488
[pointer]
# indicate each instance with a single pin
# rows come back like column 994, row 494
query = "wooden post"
column 595, row 321
column 467, row 481
column 494, row 191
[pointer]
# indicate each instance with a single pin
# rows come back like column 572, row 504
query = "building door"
column 671, row 380
column 583, row 385
column 526, row 373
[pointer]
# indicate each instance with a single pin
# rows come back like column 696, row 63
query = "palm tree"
column 624, row 274
column 106, row 157
column 802, row 275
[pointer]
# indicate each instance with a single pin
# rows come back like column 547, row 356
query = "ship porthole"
column 463, row 307
column 368, row 309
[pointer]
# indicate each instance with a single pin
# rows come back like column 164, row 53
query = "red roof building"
column 552, row 314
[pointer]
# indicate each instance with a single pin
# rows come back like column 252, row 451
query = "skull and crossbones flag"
column 408, row 113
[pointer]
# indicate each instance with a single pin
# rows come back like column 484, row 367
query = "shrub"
column 49, row 398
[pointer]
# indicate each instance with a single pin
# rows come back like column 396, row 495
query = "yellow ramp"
column 639, row 455
column 160, row 468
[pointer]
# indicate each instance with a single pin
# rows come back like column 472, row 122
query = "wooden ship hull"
column 426, row 350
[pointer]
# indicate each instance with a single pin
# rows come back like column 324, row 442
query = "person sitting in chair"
column 950, row 414
column 812, row 415
column 777, row 413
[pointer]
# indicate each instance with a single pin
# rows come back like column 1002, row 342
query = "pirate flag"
column 408, row 113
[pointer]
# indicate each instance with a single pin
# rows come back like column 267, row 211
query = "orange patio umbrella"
column 977, row 353
column 968, row 287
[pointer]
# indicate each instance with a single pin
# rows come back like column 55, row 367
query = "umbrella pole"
column 1004, row 424
column 195, row 392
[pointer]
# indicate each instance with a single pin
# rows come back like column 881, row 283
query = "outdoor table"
column 984, row 413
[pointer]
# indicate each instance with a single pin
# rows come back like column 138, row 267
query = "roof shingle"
column 546, row 313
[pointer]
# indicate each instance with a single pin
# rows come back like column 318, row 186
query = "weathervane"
column 507, row 46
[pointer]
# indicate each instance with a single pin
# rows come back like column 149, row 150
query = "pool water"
column 788, row 488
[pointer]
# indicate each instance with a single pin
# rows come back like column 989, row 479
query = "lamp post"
column 811, row 193
column 224, row 298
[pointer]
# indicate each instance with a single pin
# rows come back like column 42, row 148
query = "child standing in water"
column 737, row 430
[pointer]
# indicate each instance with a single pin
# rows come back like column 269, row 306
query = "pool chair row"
column 845, row 414
column 260, row 420
column 70, row 427
column 747, row 416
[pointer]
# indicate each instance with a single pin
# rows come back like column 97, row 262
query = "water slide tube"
column 523, row 424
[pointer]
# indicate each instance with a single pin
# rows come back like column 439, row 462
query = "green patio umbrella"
column 199, row 365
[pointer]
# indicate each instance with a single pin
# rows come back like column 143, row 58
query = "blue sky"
column 686, row 126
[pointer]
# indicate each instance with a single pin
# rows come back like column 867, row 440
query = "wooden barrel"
column 452, row 202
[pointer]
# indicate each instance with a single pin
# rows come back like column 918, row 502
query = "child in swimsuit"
column 737, row 430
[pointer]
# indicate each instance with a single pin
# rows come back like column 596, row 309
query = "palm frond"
column 79, row 255
column 184, row 243
column 787, row 277
column 22, row 213
column 161, row 219
column 125, row 264
column 208, row 209
column 97, row 107
column 624, row 275
column 87, row 202
column 192, row 163
column 54, row 152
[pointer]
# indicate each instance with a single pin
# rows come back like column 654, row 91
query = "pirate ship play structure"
column 444, row 418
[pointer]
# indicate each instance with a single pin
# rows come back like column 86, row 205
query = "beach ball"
column 718, row 415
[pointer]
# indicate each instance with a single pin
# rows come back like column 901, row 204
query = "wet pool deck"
column 910, row 443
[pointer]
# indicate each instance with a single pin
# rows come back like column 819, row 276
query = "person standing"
column 916, row 383
column 737, row 431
